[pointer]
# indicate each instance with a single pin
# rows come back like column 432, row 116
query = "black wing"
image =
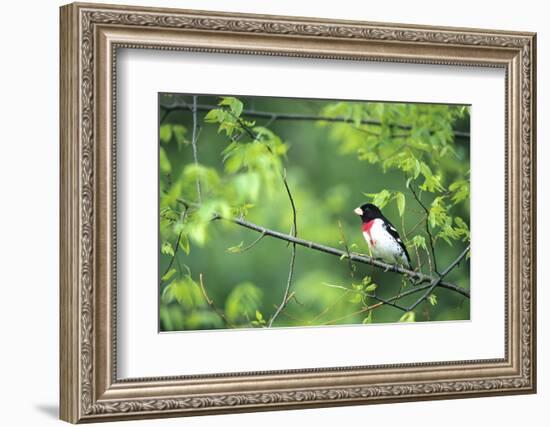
column 393, row 232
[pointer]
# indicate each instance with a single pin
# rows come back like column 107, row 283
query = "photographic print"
column 278, row 212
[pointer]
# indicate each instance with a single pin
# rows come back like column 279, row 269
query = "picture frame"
column 91, row 36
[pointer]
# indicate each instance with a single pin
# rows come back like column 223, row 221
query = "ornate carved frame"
column 90, row 36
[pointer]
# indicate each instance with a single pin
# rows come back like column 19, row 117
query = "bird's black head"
column 368, row 212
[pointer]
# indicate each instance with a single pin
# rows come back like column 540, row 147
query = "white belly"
column 383, row 246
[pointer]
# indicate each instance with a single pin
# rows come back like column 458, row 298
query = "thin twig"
column 414, row 227
column 212, row 305
column 386, row 301
column 345, row 242
column 418, row 265
column 363, row 310
column 328, row 308
column 430, row 235
column 194, row 144
column 368, row 295
column 164, row 115
column 291, row 317
column 251, row 245
column 438, row 280
column 380, row 304
column 292, row 256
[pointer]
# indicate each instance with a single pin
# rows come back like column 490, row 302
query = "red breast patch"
column 366, row 229
column 367, row 226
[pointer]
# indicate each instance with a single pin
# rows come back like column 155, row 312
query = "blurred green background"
column 373, row 154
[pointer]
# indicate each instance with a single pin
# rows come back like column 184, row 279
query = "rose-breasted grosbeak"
column 382, row 237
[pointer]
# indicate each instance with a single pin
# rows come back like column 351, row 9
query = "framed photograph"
column 265, row 212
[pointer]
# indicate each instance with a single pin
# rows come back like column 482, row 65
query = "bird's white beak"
column 358, row 211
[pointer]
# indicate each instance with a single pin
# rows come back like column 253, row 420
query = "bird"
column 382, row 237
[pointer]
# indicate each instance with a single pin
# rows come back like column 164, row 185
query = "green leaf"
column 213, row 116
column 243, row 301
column 337, row 109
column 203, row 319
column 198, row 233
column 235, row 249
column 247, row 186
column 438, row 212
column 368, row 155
column 171, row 318
column 355, row 299
column 416, row 168
column 462, row 228
column 371, row 288
column 167, row 249
column 431, row 182
column 432, row 299
column 409, row 316
column 208, row 177
column 179, row 132
column 234, row 105
column 184, row 243
column 169, row 274
column 184, row 291
column 418, row 241
column 460, row 190
column 165, row 133
column 400, row 198
column 165, row 319
column 235, row 157
column 199, row 221
column 229, row 126
column 369, row 318
column 168, row 214
column 164, row 163
column 380, row 199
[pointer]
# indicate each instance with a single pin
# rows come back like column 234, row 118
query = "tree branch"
column 364, row 259
column 438, row 280
column 388, row 301
column 220, row 313
column 194, row 145
column 430, row 236
column 292, row 256
column 420, row 278
column 303, row 117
